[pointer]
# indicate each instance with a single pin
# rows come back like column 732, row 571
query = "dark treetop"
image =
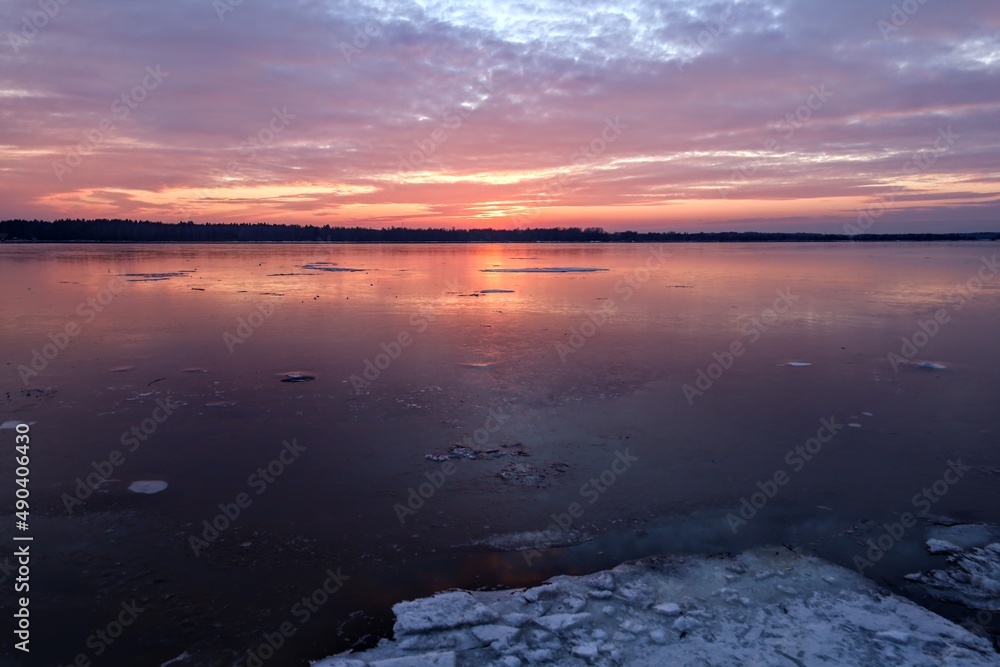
column 144, row 231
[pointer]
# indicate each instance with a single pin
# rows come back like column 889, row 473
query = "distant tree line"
column 144, row 231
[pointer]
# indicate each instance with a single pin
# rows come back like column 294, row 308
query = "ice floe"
column 329, row 266
column 154, row 277
column 533, row 539
column 547, row 269
column 13, row 424
column 964, row 534
column 296, row 376
column 488, row 291
column 183, row 657
column 796, row 364
column 930, row 365
column 972, row 577
column 463, row 452
column 147, row 486
column 677, row 610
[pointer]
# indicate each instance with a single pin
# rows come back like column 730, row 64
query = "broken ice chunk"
column 296, row 376
column 147, row 486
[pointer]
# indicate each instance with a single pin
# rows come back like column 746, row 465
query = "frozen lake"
column 439, row 415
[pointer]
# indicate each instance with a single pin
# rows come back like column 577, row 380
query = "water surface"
column 174, row 357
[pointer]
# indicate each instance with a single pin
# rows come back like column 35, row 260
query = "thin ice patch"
column 154, row 277
column 296, row 376
column 147, row 486
column 547, row 269
column 329, row 266
column 13, row 424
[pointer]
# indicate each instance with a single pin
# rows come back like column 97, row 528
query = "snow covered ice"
column 972, row 577
column 762, row 607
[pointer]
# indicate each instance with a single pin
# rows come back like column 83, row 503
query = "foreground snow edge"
column 766, row 606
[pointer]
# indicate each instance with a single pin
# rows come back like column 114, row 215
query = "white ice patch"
column 147, row 486
column 796, row 364
column 938, row 547
column 534, row 539
column 181, row 658
column 13, row 424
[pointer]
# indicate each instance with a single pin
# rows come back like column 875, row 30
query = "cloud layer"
column 804, row 115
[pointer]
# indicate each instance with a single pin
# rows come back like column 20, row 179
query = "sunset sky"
column 637, row 114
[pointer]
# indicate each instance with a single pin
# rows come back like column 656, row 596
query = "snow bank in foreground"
column 763, row 607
